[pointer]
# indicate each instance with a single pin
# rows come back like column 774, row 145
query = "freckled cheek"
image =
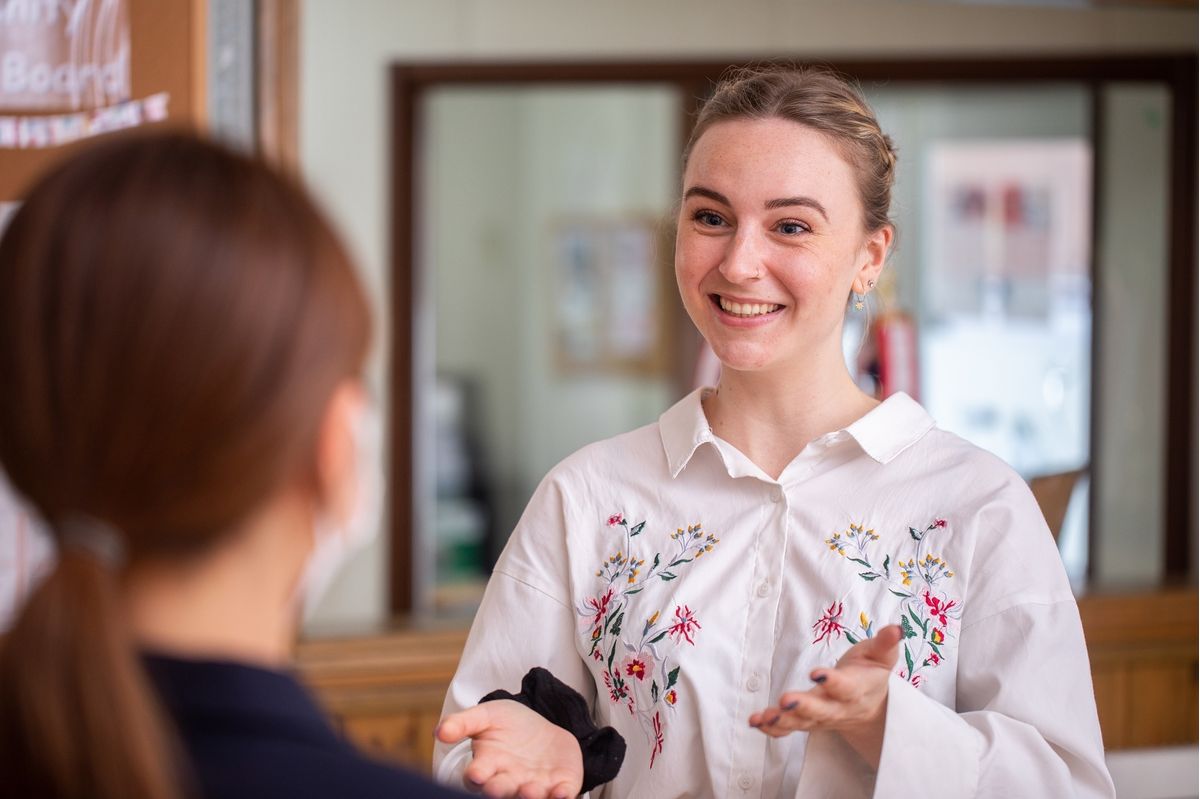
column 695, row 258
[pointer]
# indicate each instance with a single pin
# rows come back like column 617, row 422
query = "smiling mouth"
column 744, row 310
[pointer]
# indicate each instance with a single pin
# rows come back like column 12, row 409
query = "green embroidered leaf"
column 672, row 676
column 850, row 637
column 900, row 594
column 616, row 628
column 924, row 625
column 677, row 562
column 637, row 528
column 868, row 576
column 634, row 591
column 666, row 576
column 887, row 560
column 908, row 660
column 906, row 628
column 916, row 534
column 611, row 654
column 657, row 558
column 859, row 561
column 937, row 650
column 658, row 637
column 654, row 691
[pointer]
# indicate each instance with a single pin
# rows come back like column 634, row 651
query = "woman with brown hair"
column 783, row 588
column 182, row 339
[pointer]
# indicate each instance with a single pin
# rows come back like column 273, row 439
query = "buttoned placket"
column 750, row 745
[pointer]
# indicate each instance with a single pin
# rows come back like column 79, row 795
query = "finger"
column 531, row 790
column 883, row 647
column 565, row 790
column 844, row 684
column 480, row 770
column 809, row 711
column 501, row 786
column 463, row 724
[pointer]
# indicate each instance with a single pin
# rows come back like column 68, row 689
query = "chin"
column 740, row 358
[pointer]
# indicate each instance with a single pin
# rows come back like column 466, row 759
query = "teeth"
column 747, row 309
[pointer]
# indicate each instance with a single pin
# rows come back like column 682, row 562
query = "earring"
column 859, row 298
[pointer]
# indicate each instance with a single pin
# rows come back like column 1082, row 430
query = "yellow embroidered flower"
column 863, row 620
column 653, row 618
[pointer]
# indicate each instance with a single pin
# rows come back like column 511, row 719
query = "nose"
column 743, row 261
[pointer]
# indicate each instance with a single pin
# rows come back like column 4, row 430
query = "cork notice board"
column 166, row 52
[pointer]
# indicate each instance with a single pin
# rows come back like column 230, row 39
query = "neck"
column 770, row 415
column 233, row 602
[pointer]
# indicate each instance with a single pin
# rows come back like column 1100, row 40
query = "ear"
column 335, row 456
column 872, row 258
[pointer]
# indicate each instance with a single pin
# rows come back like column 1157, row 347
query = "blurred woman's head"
column 176, row 322
column 786, row 190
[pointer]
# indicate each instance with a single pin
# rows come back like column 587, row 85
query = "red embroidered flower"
column 939, row 523
column 933, row 658
column 938, row 608
column 684, row 625
column 596, row 655
column 599, row 609
column 916, row 680
column 617, row 690
column 635, row 668
column 829, row 626
column 616, row 519
column 657, row 746
column 937, row 636
column 671, row 697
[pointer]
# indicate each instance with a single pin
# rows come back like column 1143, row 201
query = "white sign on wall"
column 63, row 54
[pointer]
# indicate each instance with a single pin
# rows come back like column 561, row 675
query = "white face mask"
column 336, row 541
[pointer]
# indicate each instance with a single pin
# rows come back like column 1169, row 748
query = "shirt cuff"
column 925, row 743
column 450, row 770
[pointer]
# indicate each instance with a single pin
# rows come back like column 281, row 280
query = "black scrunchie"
column 603, row 748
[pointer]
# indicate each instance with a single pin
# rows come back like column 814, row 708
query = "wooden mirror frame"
column 411, row 81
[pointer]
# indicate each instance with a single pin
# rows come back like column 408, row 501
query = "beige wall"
column 346, row 46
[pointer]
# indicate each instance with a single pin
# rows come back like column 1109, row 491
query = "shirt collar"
column 883, row 433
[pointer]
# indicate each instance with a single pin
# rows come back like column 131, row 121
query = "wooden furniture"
column 1144, row 666
column 386, row 690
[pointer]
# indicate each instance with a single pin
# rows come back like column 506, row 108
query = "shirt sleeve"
column 1024, row 721
column 525, row 619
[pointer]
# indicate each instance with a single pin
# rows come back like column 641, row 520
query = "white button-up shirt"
column 679, row 588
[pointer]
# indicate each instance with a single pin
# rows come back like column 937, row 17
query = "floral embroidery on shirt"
column 926, row 612
column 646, row 677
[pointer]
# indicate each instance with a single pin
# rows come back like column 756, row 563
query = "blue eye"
column 789, row 228
column 708, row 218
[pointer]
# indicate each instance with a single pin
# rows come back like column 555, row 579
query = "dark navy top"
column 253, row 733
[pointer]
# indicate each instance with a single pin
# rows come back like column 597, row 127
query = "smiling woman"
column 784, row 587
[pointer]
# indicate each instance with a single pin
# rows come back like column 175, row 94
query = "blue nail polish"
column 820, row 678
column 791, row 705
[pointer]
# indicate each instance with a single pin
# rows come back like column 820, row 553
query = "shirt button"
column 777, row 495
column 745, row 782
column 754, row 683
column 763, row 589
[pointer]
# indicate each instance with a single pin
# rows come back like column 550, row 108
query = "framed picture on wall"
column 608, row 293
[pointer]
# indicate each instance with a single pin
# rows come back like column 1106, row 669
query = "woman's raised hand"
column 850, row 698
column 517, row 752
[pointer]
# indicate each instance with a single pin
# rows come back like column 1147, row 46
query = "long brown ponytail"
column 173, row 320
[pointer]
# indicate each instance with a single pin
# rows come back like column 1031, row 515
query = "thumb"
column 883, row 647
column 463, row 724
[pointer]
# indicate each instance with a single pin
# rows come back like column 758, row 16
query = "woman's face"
column 770, row 242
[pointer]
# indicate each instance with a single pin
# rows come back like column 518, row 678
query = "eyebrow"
column 782, row 202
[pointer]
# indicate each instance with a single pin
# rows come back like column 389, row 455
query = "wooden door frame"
column 411, row 81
